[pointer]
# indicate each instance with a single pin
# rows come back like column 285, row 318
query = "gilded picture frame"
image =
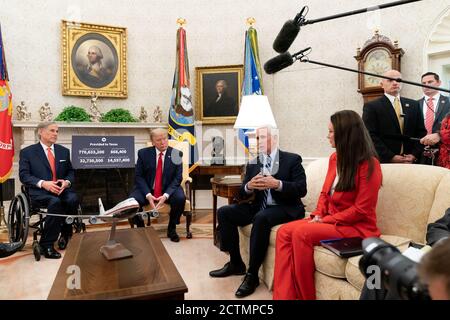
column 218, row 93
column 94, row 60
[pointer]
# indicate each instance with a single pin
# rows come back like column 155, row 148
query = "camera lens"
column 398, row 273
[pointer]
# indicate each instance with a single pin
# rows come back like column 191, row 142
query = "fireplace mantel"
column 25, row 131
column 25, row 134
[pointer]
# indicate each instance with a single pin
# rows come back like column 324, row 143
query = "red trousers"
column 294, row 257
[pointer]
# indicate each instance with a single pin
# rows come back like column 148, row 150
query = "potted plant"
column 72, row 114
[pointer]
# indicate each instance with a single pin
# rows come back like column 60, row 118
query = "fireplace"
column 111, row 185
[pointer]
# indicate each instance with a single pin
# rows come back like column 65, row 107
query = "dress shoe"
column 228, row 270
column 173, row 236
column 247, row 286
column 50, row 253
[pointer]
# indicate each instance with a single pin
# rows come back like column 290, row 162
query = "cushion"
column 329, row 263
column 328, row 288
column 405, row 199
column 315, row 176
column 246, row 230
column 442, row 199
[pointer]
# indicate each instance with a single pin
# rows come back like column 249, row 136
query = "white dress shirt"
column 392, row 98
column 435, row 98
column 52, row 147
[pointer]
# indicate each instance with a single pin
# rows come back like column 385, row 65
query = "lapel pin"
column 407, row 105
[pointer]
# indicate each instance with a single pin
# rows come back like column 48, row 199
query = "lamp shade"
column 255, row 112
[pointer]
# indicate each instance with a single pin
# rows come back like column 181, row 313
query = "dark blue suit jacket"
column 287, row 168
column 34, row 166
column 146, row 171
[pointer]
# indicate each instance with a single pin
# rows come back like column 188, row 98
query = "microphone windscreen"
column 278, row 63
column 286, row 36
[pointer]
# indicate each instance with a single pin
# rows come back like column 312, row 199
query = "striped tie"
column 429, row 116
column 266, row 171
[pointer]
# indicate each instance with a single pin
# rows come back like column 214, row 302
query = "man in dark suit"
column 45, row 169
column 277, row 181
column 223, row 105
column 434, row 108
column 392, row 120
column 158, row 176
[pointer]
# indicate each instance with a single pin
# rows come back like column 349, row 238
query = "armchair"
column 183, row 146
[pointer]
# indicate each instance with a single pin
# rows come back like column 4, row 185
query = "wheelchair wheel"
column 36, row 251
column 18, row 219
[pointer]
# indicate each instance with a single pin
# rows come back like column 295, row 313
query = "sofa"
column 411, row 197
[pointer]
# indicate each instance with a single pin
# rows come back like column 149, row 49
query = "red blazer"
column 354, row 209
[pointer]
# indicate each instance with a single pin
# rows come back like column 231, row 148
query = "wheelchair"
column 21, row 211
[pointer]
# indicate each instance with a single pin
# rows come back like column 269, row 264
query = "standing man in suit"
column 45, row 169
column 391, row 119
column 277, row 180
column 434, row 108
column 158, row 177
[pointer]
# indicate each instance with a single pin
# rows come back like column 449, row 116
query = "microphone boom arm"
column 354, row 12
column 302, row 57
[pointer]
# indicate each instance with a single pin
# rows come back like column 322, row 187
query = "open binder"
column 344, row 247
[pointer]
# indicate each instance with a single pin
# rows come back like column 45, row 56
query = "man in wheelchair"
column 46, row 171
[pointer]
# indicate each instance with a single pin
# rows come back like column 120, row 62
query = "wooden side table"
column 202, row 174
column 227, row 188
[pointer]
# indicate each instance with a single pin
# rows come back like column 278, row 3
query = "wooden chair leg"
column 188, row 224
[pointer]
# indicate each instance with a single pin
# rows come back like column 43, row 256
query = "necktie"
column 158, row 178
column 266, row 171
column 51, row 161
column 429, row 115
column 398, row 111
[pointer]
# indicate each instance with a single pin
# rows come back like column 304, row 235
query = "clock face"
column 378, row 61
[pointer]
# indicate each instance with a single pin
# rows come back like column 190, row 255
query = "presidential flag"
column 252, row 83
column 181, row 113
column 6, row 135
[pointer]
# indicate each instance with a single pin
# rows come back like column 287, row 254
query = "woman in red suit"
column 444, row 150
column 346, row 207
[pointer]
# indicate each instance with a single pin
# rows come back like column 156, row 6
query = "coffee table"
column 149, row 274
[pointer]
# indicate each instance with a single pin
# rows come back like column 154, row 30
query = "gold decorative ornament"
column 251, row 21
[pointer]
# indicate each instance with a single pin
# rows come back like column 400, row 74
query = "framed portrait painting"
column 94, row 59
column 218, row 93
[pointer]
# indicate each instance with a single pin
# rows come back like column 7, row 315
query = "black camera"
column 398, row 273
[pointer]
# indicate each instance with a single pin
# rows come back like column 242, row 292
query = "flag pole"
column 3, row 226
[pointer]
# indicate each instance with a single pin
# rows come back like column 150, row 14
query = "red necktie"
column 429, row 116
column 51, row 161
column 158, row 178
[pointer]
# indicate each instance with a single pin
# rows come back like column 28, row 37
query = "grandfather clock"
column 378, row 55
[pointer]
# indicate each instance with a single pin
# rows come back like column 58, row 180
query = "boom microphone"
column 288, row 32
column 282, row 61
column 278, row 63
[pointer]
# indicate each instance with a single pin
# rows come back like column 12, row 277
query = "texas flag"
column 6, row 135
